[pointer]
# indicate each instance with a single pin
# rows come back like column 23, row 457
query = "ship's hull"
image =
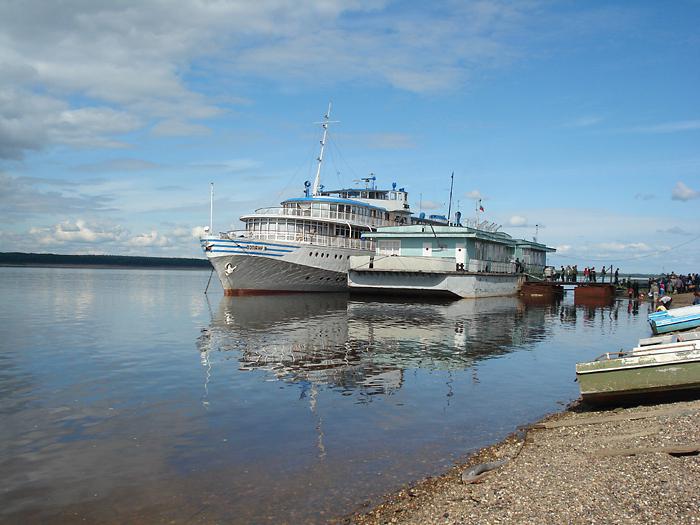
column 256, row 267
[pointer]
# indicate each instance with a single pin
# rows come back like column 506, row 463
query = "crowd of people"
column 569, row 274
column 662, row 289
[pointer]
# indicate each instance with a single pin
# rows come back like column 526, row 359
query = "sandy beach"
column 584, row 465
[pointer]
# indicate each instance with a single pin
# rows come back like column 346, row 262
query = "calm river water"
column 130, row 396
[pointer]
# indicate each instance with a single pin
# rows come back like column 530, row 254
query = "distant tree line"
column 52, row 259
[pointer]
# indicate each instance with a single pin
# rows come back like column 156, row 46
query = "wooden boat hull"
column 633, row 376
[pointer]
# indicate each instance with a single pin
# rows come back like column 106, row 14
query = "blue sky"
column 581, row 117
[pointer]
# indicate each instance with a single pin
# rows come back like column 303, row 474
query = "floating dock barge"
column 456, row 261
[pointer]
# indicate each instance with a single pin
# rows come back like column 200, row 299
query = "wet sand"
column 622, row 465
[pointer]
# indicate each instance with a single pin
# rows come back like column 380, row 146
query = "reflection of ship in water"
column 363, row 347
column 300, row 339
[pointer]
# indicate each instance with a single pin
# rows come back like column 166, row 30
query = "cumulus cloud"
column 563, row 249
column 391, row 141
column 681, row 192
column 86, row 73
column 152, row 238
column 431, row 205
column 644, row 196
column 675, row 230
column 178, row 128
column 517, row 221
column 668, row 127
column 85, row 236
column 118, row 165
column 22, row 196
column 197, row 231
column 76, row 232
column 584, row 122
column 624, row 247
column 474, row 194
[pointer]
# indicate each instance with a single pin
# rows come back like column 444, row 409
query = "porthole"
column 311, row 254
column 316, row 254
column 307, row 277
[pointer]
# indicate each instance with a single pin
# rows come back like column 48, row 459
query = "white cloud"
column 681, row 192
column 82, row 236
column 391, row 141
column 474, row 194
column 198, row 231
column 517, row 221
column 614, row 247
column 668, row 127
column 675, row 230
column 83, row 73
column 563, row 249
column 76, row 232
column 431, row 205
column 23, row 196
column 118, row 165
column 178, row 128
column 153, row 238
column 584, row 122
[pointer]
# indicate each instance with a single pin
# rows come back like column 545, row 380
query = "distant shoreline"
column 50, row 260
column 106, row 266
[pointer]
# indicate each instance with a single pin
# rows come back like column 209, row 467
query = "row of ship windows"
column 326, row 278
column 335, row 256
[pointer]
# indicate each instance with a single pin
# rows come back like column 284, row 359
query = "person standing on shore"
column 602, row 273
column 591, row 274
column 617, row 276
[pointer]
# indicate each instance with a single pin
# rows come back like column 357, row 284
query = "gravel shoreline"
column 623, row 465
column 629, row 465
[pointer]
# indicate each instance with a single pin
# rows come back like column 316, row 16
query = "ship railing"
column 305, row 238
column 314, row 213
column 481, row 265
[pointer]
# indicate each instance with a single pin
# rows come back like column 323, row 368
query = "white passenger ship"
column 305, row 244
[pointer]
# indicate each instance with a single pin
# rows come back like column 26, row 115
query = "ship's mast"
column 317, row 181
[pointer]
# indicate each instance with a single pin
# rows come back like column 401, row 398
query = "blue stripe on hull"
column 239, row 242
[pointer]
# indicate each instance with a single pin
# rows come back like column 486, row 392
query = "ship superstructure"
column 305, row 244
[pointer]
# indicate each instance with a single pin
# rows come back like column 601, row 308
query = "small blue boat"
column 684, row 318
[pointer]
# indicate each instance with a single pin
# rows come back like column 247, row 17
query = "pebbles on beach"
column 609, row 466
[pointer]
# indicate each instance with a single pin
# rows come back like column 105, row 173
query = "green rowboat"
column 657, row 369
